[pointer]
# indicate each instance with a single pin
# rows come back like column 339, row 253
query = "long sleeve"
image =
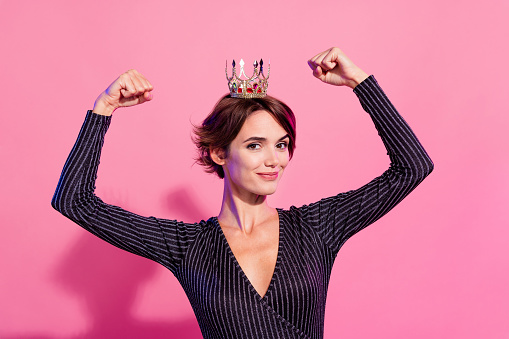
column 339, row 217
column 161, row 240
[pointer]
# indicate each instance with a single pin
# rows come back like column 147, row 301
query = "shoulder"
column 186, row 227
column 297, row 216
column 187, row 241
column 180, row 236
column 311, row 212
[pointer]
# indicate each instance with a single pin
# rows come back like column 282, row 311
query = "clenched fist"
column 334, row 67
column 131, row 88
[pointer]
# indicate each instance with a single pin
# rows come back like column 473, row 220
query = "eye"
column 282, row 146
column 253, row 146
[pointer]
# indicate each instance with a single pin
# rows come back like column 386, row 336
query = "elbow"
column 431, row 167
column 73, row 204
column 62, row 202
column 424, row 168
column 65, row 206
column 427, row 166
column 54, row 202
column 57, row 202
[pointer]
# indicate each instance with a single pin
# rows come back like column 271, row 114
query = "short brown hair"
column 223, row 124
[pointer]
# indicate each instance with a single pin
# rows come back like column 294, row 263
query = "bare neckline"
column 278, row 260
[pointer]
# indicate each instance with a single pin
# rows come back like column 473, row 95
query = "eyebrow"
column 264, row 139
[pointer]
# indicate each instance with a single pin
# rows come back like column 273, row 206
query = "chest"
column 256, row 253
column 291, row 279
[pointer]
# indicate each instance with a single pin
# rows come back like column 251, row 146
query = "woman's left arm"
column 339, row 217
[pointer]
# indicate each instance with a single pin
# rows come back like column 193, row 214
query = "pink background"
column 436, row 267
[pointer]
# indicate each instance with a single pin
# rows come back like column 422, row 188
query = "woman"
column 253, row 271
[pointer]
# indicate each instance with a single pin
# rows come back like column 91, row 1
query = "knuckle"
column 130, row 73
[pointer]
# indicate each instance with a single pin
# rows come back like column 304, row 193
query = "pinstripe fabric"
column 224, row 301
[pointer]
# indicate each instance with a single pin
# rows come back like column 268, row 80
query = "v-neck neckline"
column 236, row 263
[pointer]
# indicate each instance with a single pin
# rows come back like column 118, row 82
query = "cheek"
column 250, row 161
column 284, row 160
column 238, row 164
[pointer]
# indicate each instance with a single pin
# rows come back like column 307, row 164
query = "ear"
column 218, row 155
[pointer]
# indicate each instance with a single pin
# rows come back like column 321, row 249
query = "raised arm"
column 164, row 241
column 337, row 218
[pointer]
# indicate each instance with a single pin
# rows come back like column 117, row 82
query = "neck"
column 243, row 211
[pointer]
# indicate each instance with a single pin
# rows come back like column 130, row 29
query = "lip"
column 269, row 175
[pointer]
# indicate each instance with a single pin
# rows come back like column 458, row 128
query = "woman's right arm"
column 164, row 241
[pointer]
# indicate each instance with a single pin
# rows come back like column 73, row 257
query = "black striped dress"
column 225, row 303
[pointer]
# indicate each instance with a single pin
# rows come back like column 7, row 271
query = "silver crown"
column 248, row 87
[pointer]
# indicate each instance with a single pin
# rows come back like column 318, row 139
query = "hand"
column 334, row 67
column 130, row 88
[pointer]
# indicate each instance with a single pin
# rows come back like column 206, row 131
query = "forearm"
column 407, row 155
column 77, row 181
column 75, row 199
column 345, row 214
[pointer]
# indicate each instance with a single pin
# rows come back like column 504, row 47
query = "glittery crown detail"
column 242, row 86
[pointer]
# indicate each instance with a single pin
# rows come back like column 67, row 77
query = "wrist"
column 103, row 108
column 358, row 77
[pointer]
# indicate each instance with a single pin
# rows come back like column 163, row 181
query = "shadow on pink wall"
column 107, row 284
column 100, row 276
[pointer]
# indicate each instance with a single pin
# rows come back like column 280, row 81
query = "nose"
column 272, row 158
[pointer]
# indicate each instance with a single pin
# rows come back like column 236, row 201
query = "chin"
column 267, row 190
column 270, row 192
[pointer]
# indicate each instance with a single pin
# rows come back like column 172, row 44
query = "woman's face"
column 257, row 157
